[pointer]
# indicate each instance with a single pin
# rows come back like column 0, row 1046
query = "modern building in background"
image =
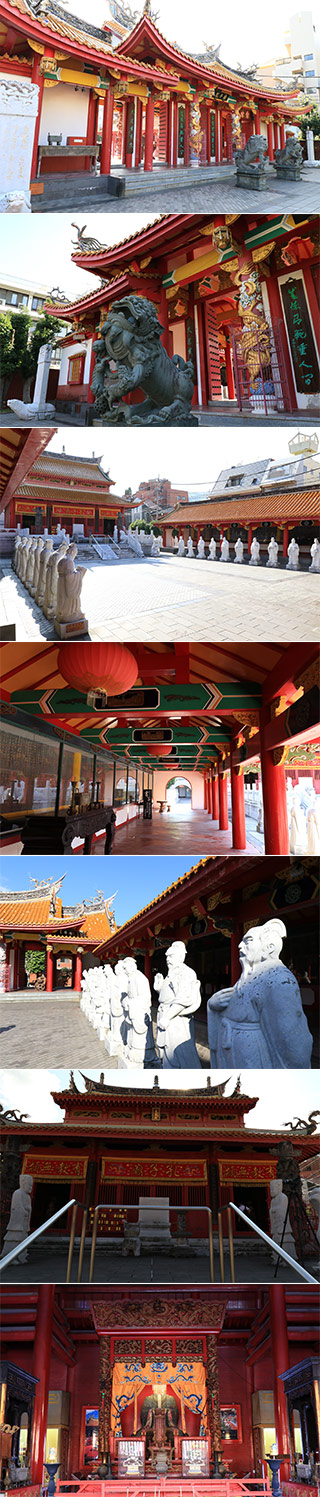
column 299, row 64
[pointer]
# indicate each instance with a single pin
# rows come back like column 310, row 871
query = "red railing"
column 171, row 1486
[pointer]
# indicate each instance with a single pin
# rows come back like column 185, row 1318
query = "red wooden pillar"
column 106, row 144
column 276, row 831
column 285, row 539
column 238, row 810
column 223, row 803
column 215, row 798
column 41, row 1370
column 230, row 379
column 187, row 134
column 124, row 131
column 313, row 301
column 91, row 119
column 282, row 137
column 270, row 140
column 257, row 123
column 148, row 150
column 209, row 794
column 137, row 158
column 236, row 937
column 78, row 972
column 148, row 967
column 15, row 968
column 249, row 538
column 49, row 969
column 205, row 793
column 280, row 1363
column 36, row 78
column 217, row 135
column 174, row 161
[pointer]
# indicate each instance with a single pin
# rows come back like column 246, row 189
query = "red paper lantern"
column 98, row 670
column 158, row 750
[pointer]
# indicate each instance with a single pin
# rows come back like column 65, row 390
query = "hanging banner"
column 55, row 1166
column 300, row 336
column 155, row 1169
column 238, row 1171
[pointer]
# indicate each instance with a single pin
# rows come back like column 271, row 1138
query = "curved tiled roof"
column 297, row 504
column 214, row 69
column 178, row 884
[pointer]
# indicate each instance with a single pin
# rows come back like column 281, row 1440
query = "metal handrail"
column 275, row 1245
column 138, row 1207
column 15, row 1253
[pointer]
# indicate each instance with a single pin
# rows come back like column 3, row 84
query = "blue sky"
column 136, row 880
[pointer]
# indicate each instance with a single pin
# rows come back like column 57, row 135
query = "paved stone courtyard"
column 53, row 1027
column 178, row 599
column 49, row 1265
column 204, row 189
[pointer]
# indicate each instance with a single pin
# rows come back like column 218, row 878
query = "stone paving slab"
column 46, row 1267
column 180, row 599
column 54, row 1034
column 212, row 189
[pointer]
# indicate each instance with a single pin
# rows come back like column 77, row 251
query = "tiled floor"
column 49, row 1265
column 208, row 189
column 186, row 599
column 195, row 836
column 61, row 1031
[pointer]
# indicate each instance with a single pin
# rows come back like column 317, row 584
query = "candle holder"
column 104, row 1470
column 51, row 1467
column 275, row 1461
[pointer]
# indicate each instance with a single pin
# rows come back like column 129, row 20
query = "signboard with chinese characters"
column 131, row 1454
column 306, row 368
column 195, row 1457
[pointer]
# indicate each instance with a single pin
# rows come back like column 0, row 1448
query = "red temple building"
column 115, row 1145
column 68, row 491
column 233, row 296
column 144, row 100
column 35, row 920
column 98, row 1378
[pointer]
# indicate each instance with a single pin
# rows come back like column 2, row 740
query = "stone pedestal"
column 38, row 409
column 288, row 173
column 73, row 627
column 18, row 112
column 252, row 181
column 154, row 1221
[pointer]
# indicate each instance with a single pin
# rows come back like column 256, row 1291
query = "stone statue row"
column 258, row 1023
column 52, row 579
column 255, row 561
column 118, row 1004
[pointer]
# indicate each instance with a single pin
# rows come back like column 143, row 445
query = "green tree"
column 7, row 363
column 21, row 331
column 35, row 961
column 310, row 122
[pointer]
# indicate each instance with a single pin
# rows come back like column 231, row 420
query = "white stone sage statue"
column 273, row 549
column 315, row 553
column 44, row 558
column 238, row 557
column 114, row 1042
column 26, row 547
column 293, row 556
column 254, row 553
column 190, row 551
column 51, row 580
column 139, row 1049
column 70, row 579
column 277, row 1217
column 30, row 563
column 181, row 546
column 179, row 997
column 224, row 550
column 259, row 1023
column 212, row 549
column 19, row 1221
column 201, row 550
column 297, row 823
column 37, row 565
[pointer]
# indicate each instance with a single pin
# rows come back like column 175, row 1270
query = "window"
column 234, row 479
column 308, row 56
column 37, row 303
column 76, row 369
column 310, row 73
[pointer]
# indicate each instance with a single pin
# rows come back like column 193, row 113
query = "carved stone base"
column 15, row 202
column 254, row 180
column 113, row 1047
column 73, row 627
column 289, row 173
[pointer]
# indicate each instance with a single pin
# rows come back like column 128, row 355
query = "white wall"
column 69, row 352
column 63, row 110
column 195, row 780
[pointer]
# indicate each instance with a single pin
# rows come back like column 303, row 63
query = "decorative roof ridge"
column 42, row 890
column 45, row 7
column 145, row 23
column 176, row 884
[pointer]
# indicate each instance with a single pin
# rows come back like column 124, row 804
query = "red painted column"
column 36, row 78
column 238, row 811
column 257, row 124
column 205, row 793
column 15, row 969
column 41, row 1369
column 280, row 1363
column 148, row 150
column 223, row 803
column 78, row 972
column 276, row 831
column 91, row 119
column 285, row 539
column 230, row 379
column 215, row 798
column 282, row 137
column 209, row 795
column 137, row 158
column 217, row 136
column 270, row 141
column 187, row 134
column 148, row 967
column 249, row 538
column 312, row 299
column 175, row 133
column 106, row 144
column 124, row 131
column 236, row 937
column 49, row 969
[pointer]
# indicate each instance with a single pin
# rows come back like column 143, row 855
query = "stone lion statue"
column 290, row 156
column 130, row 356
column 254, row 153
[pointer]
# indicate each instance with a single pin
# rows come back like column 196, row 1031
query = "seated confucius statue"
column 129, row 356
